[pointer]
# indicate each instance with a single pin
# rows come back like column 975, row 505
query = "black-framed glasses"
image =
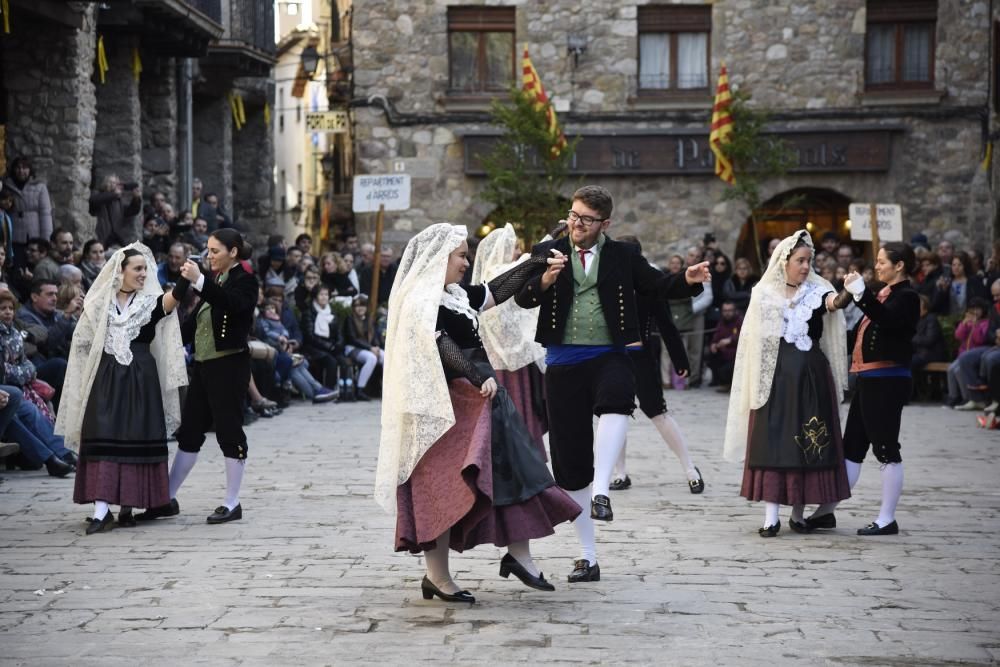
column 587, row 220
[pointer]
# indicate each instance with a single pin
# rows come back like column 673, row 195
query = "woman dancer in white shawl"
column 455, row 459
column 783, row 411
column 120, row 394
column 508, row 333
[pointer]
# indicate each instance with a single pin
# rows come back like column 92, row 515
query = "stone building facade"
column 865, row 129
column 165, row 59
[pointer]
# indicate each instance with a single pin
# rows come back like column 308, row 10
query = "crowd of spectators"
column 314, row 337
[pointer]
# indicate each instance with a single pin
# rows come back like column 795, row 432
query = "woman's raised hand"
column 190, row 270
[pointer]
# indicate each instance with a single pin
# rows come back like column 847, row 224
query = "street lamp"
column 310, row 60
column 327, row 162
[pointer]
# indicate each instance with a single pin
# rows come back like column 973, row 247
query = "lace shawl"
column 764, row 326
column 416, row 405
column 507, row 331
column 100, row 329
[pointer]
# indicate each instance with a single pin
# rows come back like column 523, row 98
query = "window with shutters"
column 674, row 48
column 899, row 44
column 481, row 56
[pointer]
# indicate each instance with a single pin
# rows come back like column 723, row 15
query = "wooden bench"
column 934, row 378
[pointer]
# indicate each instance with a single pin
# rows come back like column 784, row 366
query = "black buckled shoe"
column 696, row 485
column 223, row 514
column 170, row 509
column 620, row 484
column 101, row 525
column 799, row 526
column 510, row 565
column 825, row 521
column 584, row 571
column 600, row 508
column 874, row 529
column 56, row 467
column 429, row 590
column 769, row 531
column 126, row 519
column 71, row 458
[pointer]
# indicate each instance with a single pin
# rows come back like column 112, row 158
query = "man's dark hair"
column 728, row 301
column 43, row 245
column 37, row 285
column 57, row 231
column 303, row 237
column 597, row 198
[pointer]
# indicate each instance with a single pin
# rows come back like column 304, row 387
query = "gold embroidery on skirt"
column 814, row 439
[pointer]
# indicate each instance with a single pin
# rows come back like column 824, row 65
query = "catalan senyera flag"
column 722, row 128
column 532, row 86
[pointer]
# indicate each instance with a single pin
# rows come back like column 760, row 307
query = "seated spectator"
column 366, row 350
column 291, row 272
column 69, row 300
column 387, row 274
column 7, row 223
column 40, row 262
column 952, row 294
column 343, row 286
column 323, row 344
column 737, row 288
column 197, row 238
column 722, row 349
column 288, row 318
column 304, row 243
column 18, row 371
column 352, row 273
column 21, row 422
column 169, row 270
column 304, row 290
column 272, row 331
column 92, row 261
column 156, row 236
column 51, row 354
column 845, row 255
column 930, row 274
column 214, row 214
column 367, row 257
column 4, row 278
column 829, row 243
column 970, row 333
column 70, row 274
column 181, row 225
column 928, row 342
column 974, row 366
column 63, row 247
column 275, row 270
column 117, row 209
column 328, row 264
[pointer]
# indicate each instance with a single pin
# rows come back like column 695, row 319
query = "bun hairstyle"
column 129, row 254
column 897, row 251
column 233, row 239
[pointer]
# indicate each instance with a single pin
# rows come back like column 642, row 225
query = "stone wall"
column 253, row 161
column 213, row 147
column 158, row 98
column 52, row 108
column 802, row 59
column 118, row 142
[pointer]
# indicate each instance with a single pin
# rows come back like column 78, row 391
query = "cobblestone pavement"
column 308, row 577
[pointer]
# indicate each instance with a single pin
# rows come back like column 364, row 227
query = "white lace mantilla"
column 456, row 299
column 797, row 314
column 123, row 328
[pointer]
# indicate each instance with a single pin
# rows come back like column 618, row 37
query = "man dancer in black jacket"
column 588, row 320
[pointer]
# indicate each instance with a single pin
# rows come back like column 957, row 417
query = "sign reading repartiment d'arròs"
column 374, row 190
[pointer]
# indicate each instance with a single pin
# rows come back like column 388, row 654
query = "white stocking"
column 101, row 509
column 892, row 489
column 619, row 471
column 436, row 561
column 671, row 434
column 797, row 512
column 770, row 514
column 521, row 551
column 183, row 463
column 234, row 478
column 853, row 472
column 610, row 437
column 584, row 525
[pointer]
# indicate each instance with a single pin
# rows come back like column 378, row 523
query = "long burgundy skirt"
column 130, row 484
column 452, row 487
column 526, row 389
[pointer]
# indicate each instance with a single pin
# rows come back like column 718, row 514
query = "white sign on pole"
column 390, row 190
column 890, row 222
column 326, row 121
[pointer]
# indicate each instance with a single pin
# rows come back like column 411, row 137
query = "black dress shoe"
column 223, row 514
column 769, row 531
column 510, row 565
column 584, row 571
column 429, row 590
column 874, row 529
column 71, row 458
column 361, row 396
column 126, row 519
column 600, row 508
column 101, row 525
column 57, row 467
column 696, row 485
column 799, row 526
column 170, row 509
column 822, row 521
column 620, row 484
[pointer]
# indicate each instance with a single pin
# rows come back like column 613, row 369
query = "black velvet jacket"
column 622, row 275
column 653, row 310
column 232, row 309
column 889, row 336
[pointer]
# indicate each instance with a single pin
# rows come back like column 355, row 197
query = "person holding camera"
column 116, row 207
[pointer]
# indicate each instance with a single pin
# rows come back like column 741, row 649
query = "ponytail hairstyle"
column 233, row 239
column 897, row 251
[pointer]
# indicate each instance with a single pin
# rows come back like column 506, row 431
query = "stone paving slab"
column 309, row 578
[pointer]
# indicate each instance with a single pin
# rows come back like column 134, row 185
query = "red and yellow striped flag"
column 722, row 128
column 532, row 86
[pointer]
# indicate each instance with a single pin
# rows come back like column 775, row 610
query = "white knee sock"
column 183, row 463
column 671, row 434
column 436, row 562
column 853, row 472
column 234, row 478
column 101, row 509
column 770, row 514
column 619, row 470
column 892, row 489
column 521, row 551
column 797, row 512
column 584, row 525
column 610, row 437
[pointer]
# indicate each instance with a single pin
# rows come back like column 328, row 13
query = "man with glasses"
column 587, row 321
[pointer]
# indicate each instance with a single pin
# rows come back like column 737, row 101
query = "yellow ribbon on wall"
column 5, row 10
column 234, row 107
column 243, row 112
column 136, row 64
column 267, row 113
column 102, row 58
